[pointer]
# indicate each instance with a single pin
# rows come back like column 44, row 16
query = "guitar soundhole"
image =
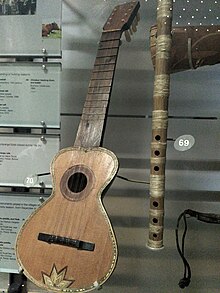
column 77, row 182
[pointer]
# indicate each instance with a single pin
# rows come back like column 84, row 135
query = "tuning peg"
column 134, row 26
column 127, row 36
column 138, row 17
column 135, row 21
column 130, row 31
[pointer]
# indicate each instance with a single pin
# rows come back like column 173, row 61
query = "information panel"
column 13, row 211
column 30, row 28
column 24, row 157
column 30, row 95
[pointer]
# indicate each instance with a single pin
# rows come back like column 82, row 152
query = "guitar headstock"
column 124, row 18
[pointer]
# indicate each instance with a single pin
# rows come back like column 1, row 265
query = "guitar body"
column 73, row 211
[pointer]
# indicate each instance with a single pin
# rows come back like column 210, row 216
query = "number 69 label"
column 184, row 143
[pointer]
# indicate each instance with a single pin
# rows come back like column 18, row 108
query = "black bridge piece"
column 75, row 243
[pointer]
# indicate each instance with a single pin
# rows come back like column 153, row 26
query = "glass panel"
column 13, row 211
column 196, row 13
column 31, row 28
column 30, row 94
column 22, row 158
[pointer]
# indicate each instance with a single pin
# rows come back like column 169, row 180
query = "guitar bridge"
column 75, row 243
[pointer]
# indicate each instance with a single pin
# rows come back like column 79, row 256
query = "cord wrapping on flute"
column 163, row 45
column 159, row 119
column 161, row 85
column 157, row 184
column 164, row 9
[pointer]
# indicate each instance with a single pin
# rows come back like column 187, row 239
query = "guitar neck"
column 91, row 127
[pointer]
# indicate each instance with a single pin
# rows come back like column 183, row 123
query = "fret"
column 104, row 67
column 96, row 103
column 102, row 75
column 98, row 90
column 100, row 83
column 105, row 60
column 94, row 110
column 97, row 97
column 109, row 44
column 106, row 36
column 107, row 52
column 88, row 117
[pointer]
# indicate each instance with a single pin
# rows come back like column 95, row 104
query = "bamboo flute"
column 160, row 123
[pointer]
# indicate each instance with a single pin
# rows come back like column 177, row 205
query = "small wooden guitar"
column 68, row 244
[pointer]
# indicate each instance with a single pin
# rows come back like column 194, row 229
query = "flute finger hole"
column 155, row 204
column 157, row 153
column 155, row 235
column 156, row 168
column 157, row 137
column 155, row 220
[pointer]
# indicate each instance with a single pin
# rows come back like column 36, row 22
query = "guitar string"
column 78, row 186
column 66, row 230
column 67, row 208
column 79, row 217
column 60, row 211
column 69, row 204
column 91, row 134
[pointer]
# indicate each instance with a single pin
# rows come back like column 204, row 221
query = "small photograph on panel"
column 18, row 7
column 51, row 30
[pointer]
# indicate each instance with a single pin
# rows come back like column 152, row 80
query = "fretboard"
column 91, row 127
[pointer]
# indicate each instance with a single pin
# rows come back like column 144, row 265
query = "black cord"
column 185, row 281
column 132, row 180
column 203, row 217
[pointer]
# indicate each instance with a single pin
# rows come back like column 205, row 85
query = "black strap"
column 185, row 281
column 204, row 217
